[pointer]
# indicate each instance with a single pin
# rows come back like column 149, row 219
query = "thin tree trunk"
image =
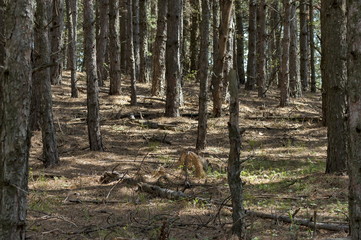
column 114, row 46
column 240, row 42
column 194, row 46
column 132, row 63
column 334, row 54
column 15, row 85
column 303, row 45
column 136, row 44
column 56, row 35
column 274, row 42
column 158, row 78
column 173, row 71
column 102, row 40
column 234, row 163
column 312, row 48
column 295, row 84
column 93, row 118
column 252, row 42
column 354, row 118
column 42, row 57
column 72, row 6
column 284, row 84
column 215, row 27
column 2, row 27
column 143, row 40
column 261, row 47
column 217, row 79
column 203, row 75
column 186, row 42
column 124, row 36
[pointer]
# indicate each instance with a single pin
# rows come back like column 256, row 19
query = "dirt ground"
column 284, row 151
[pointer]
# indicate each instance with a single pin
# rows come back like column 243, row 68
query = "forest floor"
column 284, row 149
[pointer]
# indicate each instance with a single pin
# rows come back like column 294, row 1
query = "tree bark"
column 194, row 46
column 240, row 42
column 295, row 84
column 217, row 79
column 203, row 75
column 131, row 61
column 284, row 84
column 158, row 78
column 334, row 60
column 56, row 35
column 71, row 9
column 252, row 42
column 102, row 40
column 354, row 119
column 15, row 85
column 312, row 48
column 93, row 118
column 172, row 73
column 261, row 47
column 303, row 45
column 136, row 44
column 42, row 57
column 234, row 163
column 143, row 41
column 114, row 47
column 124, row 36
column 215, row 29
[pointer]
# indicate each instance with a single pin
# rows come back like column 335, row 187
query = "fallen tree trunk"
column 176, row 195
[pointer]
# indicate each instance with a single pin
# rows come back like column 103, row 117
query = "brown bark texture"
column 72, row 31
column 261, row 47
column 240, row 42
column 295, row 84
column 312, row 47
column 252, row 42
column 284, row 81
column 102, row 40
column 304, row 45
column 15, row 85
column 114, row 48
column 131, row 61
column 56, row 36
column 143, row 41
column 93, row 118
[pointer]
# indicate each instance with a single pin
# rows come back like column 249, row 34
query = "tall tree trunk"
column 2, row 26
column 194, row 46
column 93, row 119
column 203, row 75
column 114, row 46
column 172, row 73
column 215, row 28
column 73, row 48
column 42, row 57
column 158, row 78
column 229, row 61
column 240, row 42
column 217, row 79
column 15, row 84
column 334, row 54
column 284, row 84
column 234, row 163
column 186, row 42
column 252, row 42
column 143, row 40
column 56, row 35
column 303, row 45
column 295, row 84
column 261, row 47
column 136, row 45
column 132, row 59
column 354, row 118
column 312, row 48
column 102, row 40
column 124, row 36
column 274, row 42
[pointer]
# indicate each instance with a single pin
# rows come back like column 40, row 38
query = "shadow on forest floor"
column 285, row 150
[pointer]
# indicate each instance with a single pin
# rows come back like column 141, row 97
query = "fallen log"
column 176, row 195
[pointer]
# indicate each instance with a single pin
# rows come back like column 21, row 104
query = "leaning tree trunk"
column 217, row 79
column 252, row 42
column 42, row 57
column 56, row 35
column 284, row 84
column 114, row 48
column 354, row 118
column 295, row 84
column 312, row 48
column 173, row 65
column 203, row 76
column 303, row 45
column 234, row 163
column 240, row 42
column 102, row 40
column 93, row 118
column 158, row 77
column 143, row 41
column 334, row 63
column 261, row 47
column 132, row 59
column 15, row 84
